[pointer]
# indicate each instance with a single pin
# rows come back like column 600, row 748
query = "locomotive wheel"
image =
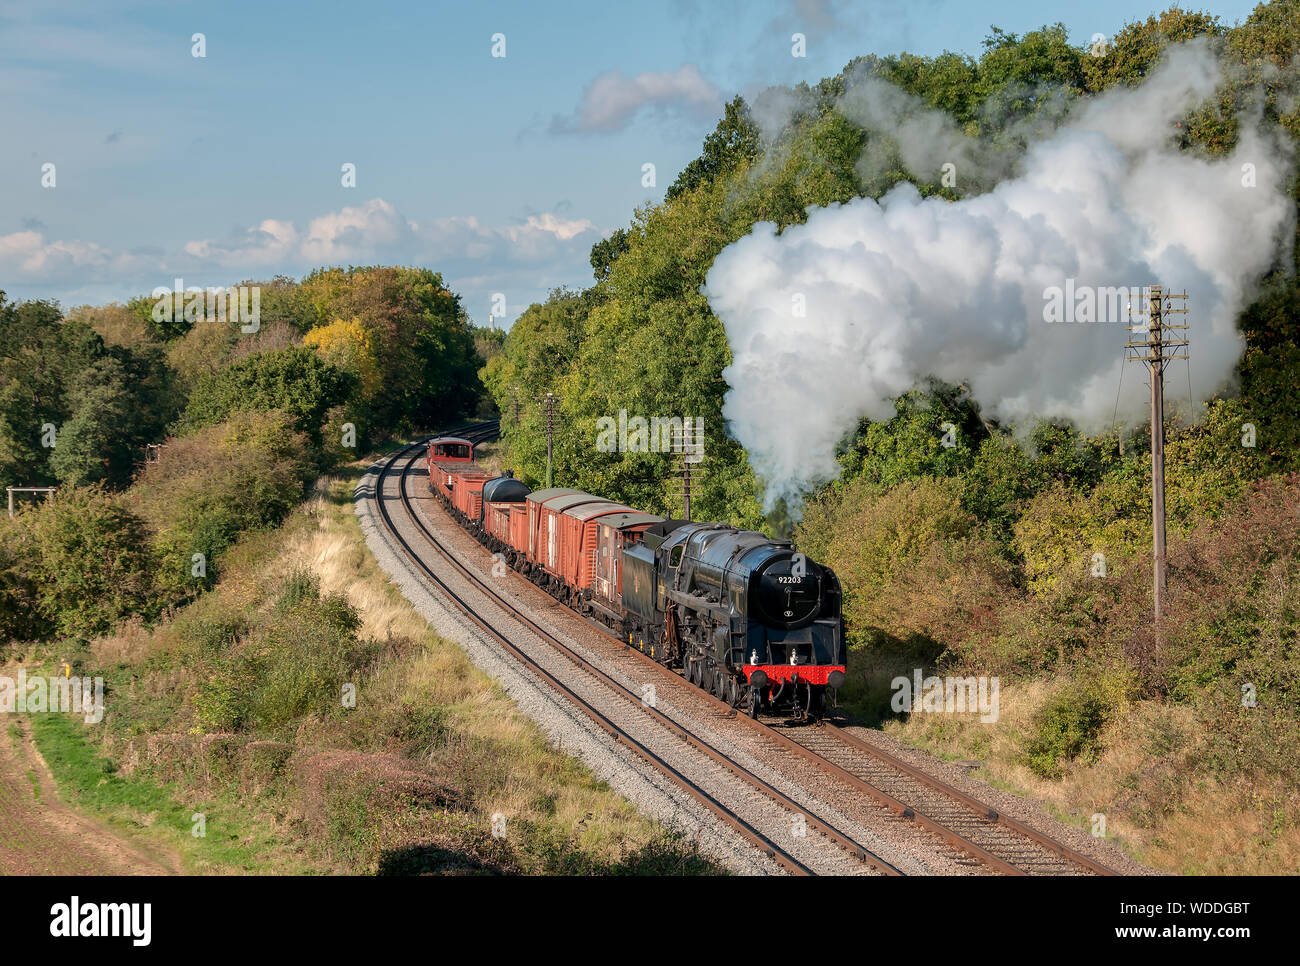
column 755, row 702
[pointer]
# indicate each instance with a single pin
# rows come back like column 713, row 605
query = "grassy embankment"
column 1186, row 740
column 233, row 708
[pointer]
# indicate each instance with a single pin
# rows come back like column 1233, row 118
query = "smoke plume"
column 831, row 320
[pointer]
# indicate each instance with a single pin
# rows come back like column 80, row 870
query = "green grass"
column 87, row 779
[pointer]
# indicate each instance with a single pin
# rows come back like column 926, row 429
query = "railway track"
column 599, row 712
column 997, row 841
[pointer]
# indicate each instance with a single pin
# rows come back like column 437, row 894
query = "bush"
column 93, row 563
column 908, row 557
column 1061, row 530
column 1234, row 603
column 1067, row 727
column 21, row 618
column 919, row 582
column 306, row 658
column 208, row 488
column 295, row 665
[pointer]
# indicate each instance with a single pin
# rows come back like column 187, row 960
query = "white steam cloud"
column 897, row 290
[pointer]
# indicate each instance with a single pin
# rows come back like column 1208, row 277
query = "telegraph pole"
column 688, row 453
column 686, row 488
column 549, row 400
column 1155, row 353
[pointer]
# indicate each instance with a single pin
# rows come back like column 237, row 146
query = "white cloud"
column 523, row 259
column 377, row 230
column 28, row 255
column 563, row 228
column 611, row 100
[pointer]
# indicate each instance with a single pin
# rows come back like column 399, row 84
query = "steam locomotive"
column 744, row 617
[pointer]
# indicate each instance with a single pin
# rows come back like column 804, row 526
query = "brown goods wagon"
column 533, row 506
column 519, row 527
column 467, row 491
column 577, row 540
column 545, row 525
column 558, row 537
column 444, row 475
column 496, row 520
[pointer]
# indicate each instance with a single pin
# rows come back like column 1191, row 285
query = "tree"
column 1017, row 71
column 166, row 319
column 295, row 380
column 282, row 300
column 1128, row 56
column 214, row 484
column 734, row 142
column 203, row 350
column 71, row 406
column 605, row 251
column 116, row 325
column 935, row 432
column 349, row 345
column 420, row 334
column 40, row 356
column 92, row 446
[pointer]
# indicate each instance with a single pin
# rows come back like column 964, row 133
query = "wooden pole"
column 686, row 484
column 550, row 427
column 1157, row 452
column 1163, row 342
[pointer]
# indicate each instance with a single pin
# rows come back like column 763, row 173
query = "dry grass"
column 131, row 644
column 412, row 778
column 488, row 456
column 487, row 736
column 1146, row 782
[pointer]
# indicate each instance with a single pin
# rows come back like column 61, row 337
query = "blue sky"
column 500, row 172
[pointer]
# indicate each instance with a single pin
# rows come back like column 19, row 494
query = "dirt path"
column 40, row 835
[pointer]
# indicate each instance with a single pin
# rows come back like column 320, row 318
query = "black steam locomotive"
column 753, row 621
